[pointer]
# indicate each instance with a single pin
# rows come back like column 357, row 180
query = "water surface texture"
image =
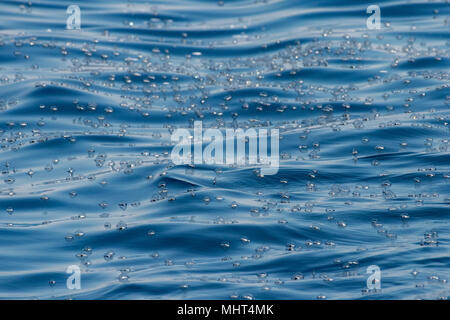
column 85, row 138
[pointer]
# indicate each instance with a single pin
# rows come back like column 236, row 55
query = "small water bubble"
column 342, row 224
column 79, row 234
column 123, row 277
column 245, row 240
column 169, row 262
column 298, row 276
column 225, row 244
column 103, row 204
column 123, row 205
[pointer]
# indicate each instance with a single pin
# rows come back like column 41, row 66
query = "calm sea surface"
column 85, row 139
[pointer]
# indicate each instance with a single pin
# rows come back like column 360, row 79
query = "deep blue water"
column 86, row 178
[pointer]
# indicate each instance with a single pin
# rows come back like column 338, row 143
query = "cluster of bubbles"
column 85, row 127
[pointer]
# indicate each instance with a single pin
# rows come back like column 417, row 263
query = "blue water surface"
column 85, row 138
